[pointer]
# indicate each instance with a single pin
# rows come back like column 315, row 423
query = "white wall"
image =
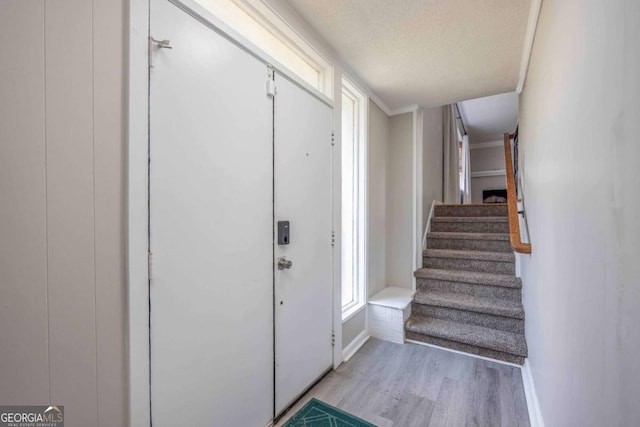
column 431, row 162
column 400, row 202
column 481, row 183
column 487, row 159
column 62, row 254
column 377, row 193
column 580, row 121
column 353, row 327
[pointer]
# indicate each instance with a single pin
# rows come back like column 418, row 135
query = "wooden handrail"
column 512, row 204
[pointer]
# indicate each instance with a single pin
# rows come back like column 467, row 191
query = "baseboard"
column 535, row 416
column 354, row 346
column 502, row 362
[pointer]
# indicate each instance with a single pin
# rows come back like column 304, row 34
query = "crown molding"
column 534, row 13
column 403, row 110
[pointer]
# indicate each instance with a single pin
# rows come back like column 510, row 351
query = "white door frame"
column 137, row 197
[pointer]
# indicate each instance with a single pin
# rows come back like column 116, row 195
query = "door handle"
column 283, row 263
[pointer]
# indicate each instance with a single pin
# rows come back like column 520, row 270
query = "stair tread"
column 466, row 302
column 479, row 336
column 490, row 279
column 497, row 209
column 470, row 219
column 467, row 236
column 466, row 254
column 469, row 205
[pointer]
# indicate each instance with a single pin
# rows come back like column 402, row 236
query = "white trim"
column 204, row 16
column 137, row 220
column 362, row 139
column 483, row 174
column 428, row 227
column 533, row 405
column 352, row 348
column 502, row 362
column 351, row 313
column 418, row 118
column 402, row 110
column 289, row 15
column 336, row 226
column 489, row 144
column 380, row 103
column 534, row 13
column 269, row 18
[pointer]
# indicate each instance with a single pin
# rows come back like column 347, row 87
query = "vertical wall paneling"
column 109, row 187
column 24, row 376
column 70, row 208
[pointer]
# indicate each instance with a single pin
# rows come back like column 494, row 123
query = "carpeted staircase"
column 468, row 297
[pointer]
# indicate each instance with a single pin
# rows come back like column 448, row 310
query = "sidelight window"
column 353, row 199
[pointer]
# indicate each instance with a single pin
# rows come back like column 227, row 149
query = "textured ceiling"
column 487, row 119
column 426, row 52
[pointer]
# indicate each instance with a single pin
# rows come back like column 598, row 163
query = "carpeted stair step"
column 485, row 285
column 508, row 324
column 470, row 224
column 474, row 339
column 505, row 280
column 497, row 209
column 494, row 307
column 487, row 262
column 506, row 315
column 491, row 242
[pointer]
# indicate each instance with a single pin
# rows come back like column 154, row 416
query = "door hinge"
column 150, row 265
column 333, row 238
column 271, row 84
column 333, row 338
column 333, row 138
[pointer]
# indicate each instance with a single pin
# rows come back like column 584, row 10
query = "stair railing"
column 512, row 202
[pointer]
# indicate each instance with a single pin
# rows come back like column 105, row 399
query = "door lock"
column 283, row 263
column 161, row 44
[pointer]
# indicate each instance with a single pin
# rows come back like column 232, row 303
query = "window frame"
column 361, row 101
column 266, row 18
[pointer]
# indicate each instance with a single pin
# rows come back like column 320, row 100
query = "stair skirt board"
column 464, row 353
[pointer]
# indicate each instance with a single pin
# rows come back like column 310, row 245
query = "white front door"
column 211, row 228
column 303, row 292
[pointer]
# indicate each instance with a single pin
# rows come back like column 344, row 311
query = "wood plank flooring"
column 412, row 385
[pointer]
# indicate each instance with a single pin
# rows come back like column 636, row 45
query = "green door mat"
column 318, row 414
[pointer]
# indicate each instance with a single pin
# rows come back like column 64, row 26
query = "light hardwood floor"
column 412, row 385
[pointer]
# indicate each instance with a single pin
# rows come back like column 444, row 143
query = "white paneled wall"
column 62, row 186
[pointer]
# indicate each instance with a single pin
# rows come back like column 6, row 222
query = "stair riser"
column 476, row 290
column 497, row 267
column 470, row 245
column 493, row 354
column 469, row 210
column 470, row 227
column 508, row 324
